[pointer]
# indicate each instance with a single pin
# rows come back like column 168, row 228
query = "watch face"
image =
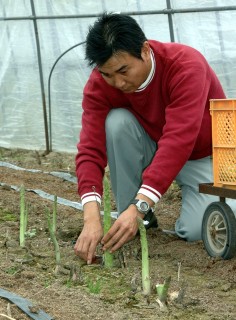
column 144, row 206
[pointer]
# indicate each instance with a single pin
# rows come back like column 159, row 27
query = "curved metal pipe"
column 49, row 91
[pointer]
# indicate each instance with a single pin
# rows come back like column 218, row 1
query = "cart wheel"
column 219, row 230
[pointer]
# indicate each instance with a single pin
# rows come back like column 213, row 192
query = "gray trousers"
column 130, row 150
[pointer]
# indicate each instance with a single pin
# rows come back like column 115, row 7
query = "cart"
column 219, row 223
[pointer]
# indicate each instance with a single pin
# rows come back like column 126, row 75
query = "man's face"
column 126, row 72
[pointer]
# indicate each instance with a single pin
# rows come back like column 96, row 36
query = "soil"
column 201, row 287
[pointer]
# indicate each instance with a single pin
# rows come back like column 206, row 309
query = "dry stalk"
column 7, row 317
column 179, row 267
column 146, row 283
column 9, row 310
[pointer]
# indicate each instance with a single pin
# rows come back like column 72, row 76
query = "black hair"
column 112, row 33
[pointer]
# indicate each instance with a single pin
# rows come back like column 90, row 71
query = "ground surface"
column 206, row 286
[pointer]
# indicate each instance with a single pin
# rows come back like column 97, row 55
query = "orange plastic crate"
column 223, row 112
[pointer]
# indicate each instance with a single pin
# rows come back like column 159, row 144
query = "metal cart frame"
column 219, row 223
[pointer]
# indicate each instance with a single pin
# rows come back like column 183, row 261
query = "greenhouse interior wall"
column 35, row 33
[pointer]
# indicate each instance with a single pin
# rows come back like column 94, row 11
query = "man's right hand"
column 91, row 234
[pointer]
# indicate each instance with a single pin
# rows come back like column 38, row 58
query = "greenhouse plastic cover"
column 22, row 121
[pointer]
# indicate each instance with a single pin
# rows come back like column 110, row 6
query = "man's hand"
column 88, row 240
column 123, row 230
column 91, row 234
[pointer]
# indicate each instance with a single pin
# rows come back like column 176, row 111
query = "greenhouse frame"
column 43, row 70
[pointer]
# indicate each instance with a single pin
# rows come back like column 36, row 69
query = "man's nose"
column 119, row 83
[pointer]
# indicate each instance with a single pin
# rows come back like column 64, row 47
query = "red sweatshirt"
column 173, row 109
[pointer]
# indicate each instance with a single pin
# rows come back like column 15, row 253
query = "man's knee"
column 117, row 120
column 188, row 230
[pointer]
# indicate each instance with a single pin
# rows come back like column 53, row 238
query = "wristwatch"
column 141, row 205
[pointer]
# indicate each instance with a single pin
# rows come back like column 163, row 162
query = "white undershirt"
column 150, row 76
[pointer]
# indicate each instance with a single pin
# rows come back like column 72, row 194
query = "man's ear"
column 145, row 51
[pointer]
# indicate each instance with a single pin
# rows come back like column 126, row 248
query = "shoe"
column 150, row 220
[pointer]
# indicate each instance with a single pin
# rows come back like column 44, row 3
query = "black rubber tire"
column 219, row 230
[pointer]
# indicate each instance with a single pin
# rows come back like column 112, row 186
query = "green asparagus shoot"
column 26, row 216
column 145, row 260
column 162, row 290
column 52, row 228
column 54, row 214
column 108, row 257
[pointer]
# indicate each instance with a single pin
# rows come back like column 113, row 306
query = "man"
column 146, row 113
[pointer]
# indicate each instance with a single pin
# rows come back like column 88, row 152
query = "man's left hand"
column 123, row 230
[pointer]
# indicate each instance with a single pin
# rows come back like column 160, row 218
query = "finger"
column 118, row 244
column 119, row 240
column 91, row 252
column 76, row 247
column 110, row 234
column 115, row 239
column 81, row 248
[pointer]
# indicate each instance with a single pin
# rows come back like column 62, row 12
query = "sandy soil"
column 205, row 286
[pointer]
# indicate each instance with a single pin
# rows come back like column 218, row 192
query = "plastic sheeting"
column 62, row 175
column 21, row 112
column 25, row 305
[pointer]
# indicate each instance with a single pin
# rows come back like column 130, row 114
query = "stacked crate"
column 223, row 112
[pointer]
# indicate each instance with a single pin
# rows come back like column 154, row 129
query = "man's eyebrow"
column 117, row 71
column 104, row 73
column 121, row 68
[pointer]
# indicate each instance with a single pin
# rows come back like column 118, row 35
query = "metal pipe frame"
column 132, row 13
column 49, row 90
column 41, row 77
column 169, row 11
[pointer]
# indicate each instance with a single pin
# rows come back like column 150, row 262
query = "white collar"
column 150, row 76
